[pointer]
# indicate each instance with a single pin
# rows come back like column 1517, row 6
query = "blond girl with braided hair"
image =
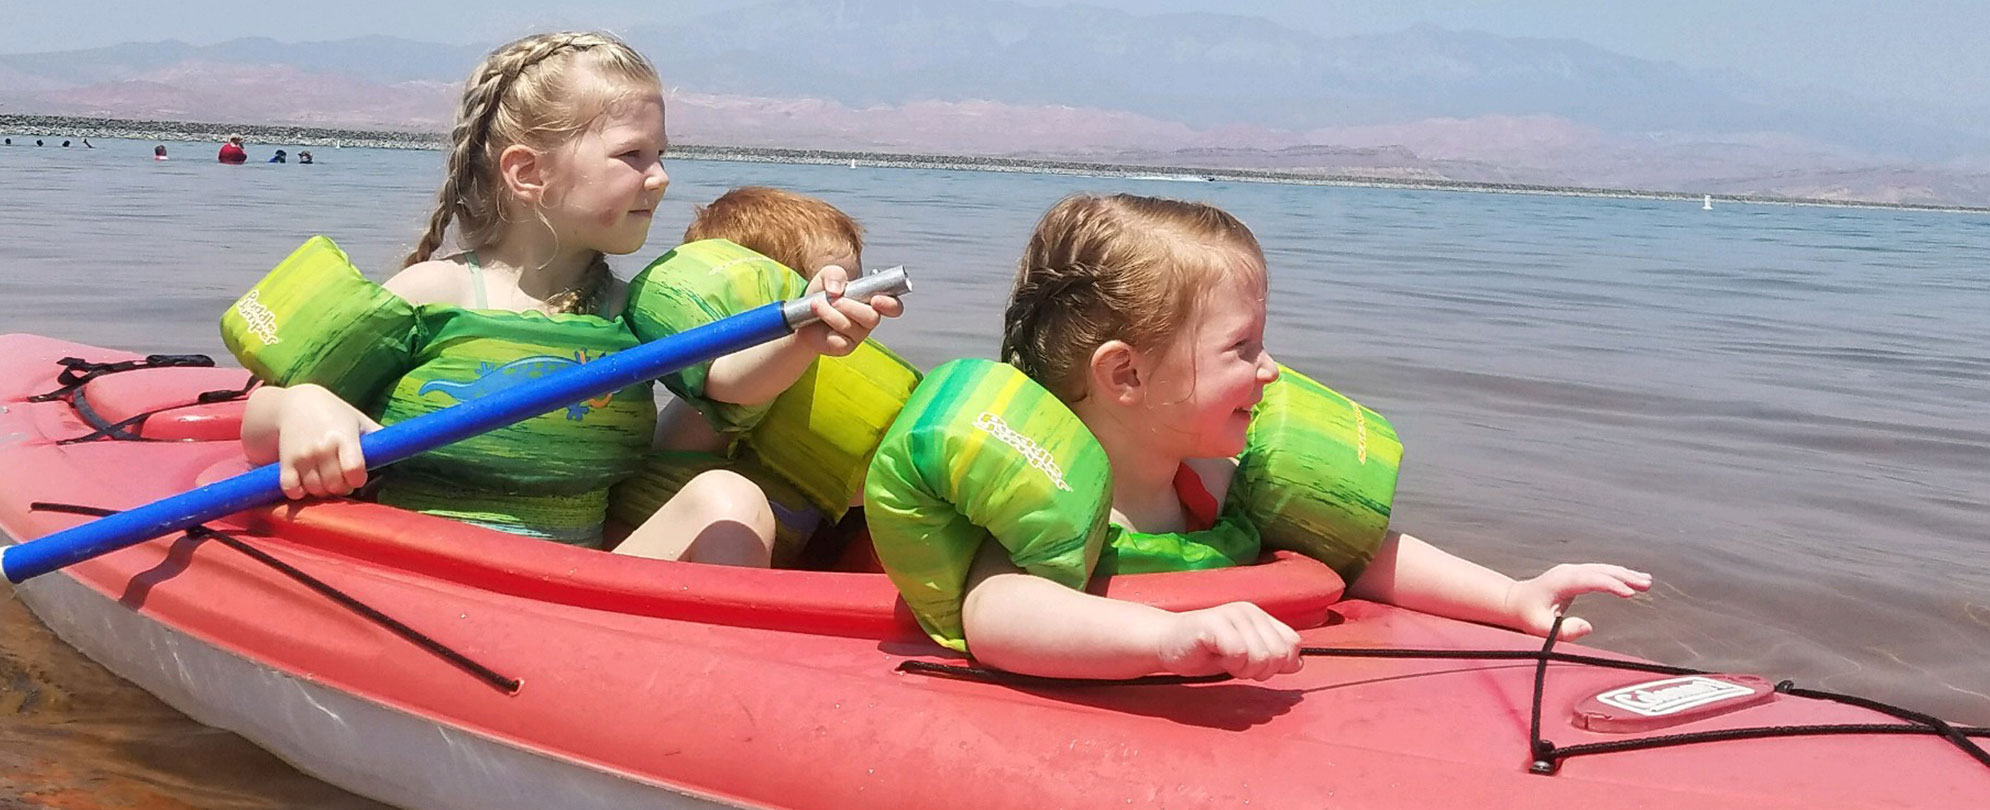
column 555, row 161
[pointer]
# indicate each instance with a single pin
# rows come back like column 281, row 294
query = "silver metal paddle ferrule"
column 892, row 281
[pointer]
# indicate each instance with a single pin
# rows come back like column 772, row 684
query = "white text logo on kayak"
column 260, row 320
column 1038, row 457
column 1672, row 695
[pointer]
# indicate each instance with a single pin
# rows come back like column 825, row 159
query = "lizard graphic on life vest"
column 494, row 378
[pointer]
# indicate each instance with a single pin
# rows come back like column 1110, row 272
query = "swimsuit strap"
column 477, row 279
column 1199, row 508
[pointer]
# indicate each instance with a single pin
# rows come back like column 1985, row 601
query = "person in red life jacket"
column 232, row 151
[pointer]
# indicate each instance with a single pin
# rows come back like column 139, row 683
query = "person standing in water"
column 232, row 151
column 159, row 152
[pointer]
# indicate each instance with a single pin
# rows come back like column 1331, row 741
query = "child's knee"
column 724, row 496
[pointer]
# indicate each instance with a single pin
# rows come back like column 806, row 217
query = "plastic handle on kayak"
column 421, row 434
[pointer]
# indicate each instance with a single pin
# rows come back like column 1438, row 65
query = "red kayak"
column 426, row 663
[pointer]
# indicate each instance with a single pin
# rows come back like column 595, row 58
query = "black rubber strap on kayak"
column 124, row 429
column 1759, row 733
column 77, row 372
column 1545, row 756
column 1918, row 724
column 1959, row 736
column 1544, row 761
column 508, row 685
column 1548, row 757
column 1496, row 655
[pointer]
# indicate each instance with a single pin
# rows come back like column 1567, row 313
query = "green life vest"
column 970, row 456
column 316, row 319
column 818, row 435
column 1317, row 476
column 979, row 451
column 1232, row 541
column 547, row 476
column 1318, row 473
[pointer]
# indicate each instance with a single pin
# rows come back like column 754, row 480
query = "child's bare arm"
column 1414, row 574
column 312, row 433
column 1028, row 624
column 756, row 376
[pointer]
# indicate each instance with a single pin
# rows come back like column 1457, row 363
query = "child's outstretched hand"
column 844, row 322
column 318, row 443
column 1238, row 638
column 1533, row 604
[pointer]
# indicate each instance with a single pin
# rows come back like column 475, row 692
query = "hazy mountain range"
column 961, row 77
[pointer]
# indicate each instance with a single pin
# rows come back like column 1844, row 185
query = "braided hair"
column 1125, row 268
column 530, row 92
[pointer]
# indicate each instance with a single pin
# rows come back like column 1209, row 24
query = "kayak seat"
column 172, row 397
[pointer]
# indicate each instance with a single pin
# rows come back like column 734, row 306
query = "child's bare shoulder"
column 436, row 281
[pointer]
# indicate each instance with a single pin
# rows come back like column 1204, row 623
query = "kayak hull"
column 655, row 684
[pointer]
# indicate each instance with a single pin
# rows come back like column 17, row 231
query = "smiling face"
column 1205, row 384
column 604, row 185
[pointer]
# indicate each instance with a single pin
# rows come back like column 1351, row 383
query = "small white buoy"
column 1708, row 203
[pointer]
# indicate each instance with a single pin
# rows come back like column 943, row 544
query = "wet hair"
column 784, row 226
column 540, row 91
column 1125, row 268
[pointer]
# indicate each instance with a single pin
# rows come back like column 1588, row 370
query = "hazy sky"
column 1928, row 50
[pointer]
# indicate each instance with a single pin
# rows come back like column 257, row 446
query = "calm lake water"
column 1776, row 410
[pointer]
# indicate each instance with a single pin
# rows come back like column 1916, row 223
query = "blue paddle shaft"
column 388, row 445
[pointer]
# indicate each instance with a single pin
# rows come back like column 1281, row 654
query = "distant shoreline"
column 83, row 127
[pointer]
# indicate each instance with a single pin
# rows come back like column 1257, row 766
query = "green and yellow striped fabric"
column 982, row 451
column 1318, row 473
column 316, row 319
column 695, row 284
column 546, row 476
column 1231, row 542
column 819, row 433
